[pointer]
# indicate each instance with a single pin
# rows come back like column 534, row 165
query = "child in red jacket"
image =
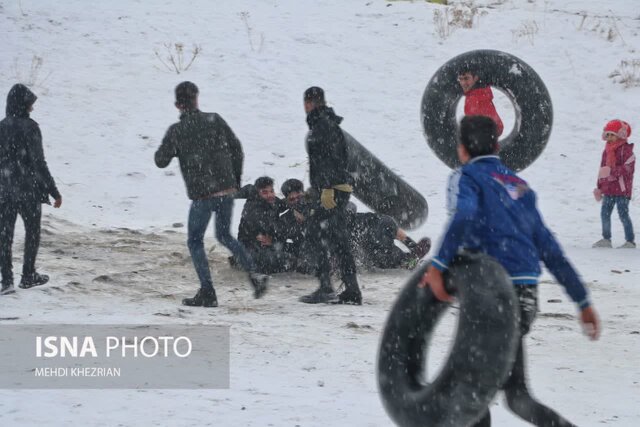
column 615, row 181
column 478, row 97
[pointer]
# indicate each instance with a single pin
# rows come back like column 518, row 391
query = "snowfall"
column 116, row 250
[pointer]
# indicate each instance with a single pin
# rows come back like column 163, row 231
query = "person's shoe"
column 202, row 299
column 628, row 245
column 602, row 243
column 31, row 280
column 260, row 284
column 319, row 296
column 350, row 297
column 422, row 247
column 7, row 289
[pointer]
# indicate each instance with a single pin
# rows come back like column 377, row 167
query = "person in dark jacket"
column 495, row 213
column 373, row 238
column 294, row 222
column 330, row 178
column 372, row 235
column 211, row 160
column 260, row 229
column 25, row 183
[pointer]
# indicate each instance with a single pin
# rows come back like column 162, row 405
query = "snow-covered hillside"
column 106, row 99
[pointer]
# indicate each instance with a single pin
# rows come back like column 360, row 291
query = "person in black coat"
column 25, row 183
column 294, row 225
column 373, row 241
column 330, row 178
column 372, row 235
column 260, row 229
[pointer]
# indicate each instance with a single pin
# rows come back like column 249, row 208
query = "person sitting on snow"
column 373, row 239
column 260, row 232
column 372, row 235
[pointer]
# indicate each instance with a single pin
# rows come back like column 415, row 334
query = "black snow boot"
column 324, row 294
column 7, row 289
column 31, row 280
column 204, row 298
column 260, row 284
column 351, row 297
column 351, row 294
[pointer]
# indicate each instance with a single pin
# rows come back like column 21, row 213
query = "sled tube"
column 483, row 351
column 500, row 70
column 383, row 191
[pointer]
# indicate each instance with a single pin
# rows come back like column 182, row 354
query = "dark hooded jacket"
column 210, row 155
column 327, row 149
column 24, row 174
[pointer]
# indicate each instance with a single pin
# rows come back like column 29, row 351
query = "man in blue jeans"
column 211, row 161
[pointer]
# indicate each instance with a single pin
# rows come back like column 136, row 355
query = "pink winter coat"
column 618, row 181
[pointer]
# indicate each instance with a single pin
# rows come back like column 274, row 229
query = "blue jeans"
column 608, row 202
column 199, row 216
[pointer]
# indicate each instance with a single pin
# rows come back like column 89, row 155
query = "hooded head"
column 19, row 101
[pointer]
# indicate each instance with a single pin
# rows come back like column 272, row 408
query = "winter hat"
column 618, row 127
column 314, row 94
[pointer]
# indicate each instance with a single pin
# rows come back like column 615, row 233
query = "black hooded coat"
column 24, row 174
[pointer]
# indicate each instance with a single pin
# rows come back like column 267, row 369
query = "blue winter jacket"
column 494, row 211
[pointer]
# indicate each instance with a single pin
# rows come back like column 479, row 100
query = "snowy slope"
column 107, row 100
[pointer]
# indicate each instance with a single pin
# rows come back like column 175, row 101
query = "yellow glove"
column 327, row 199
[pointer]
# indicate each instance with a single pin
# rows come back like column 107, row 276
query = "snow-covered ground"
column 105, row 100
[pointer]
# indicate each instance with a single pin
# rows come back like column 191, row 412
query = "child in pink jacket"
column 615, row 181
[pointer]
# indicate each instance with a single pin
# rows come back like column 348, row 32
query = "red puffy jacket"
column 618, row 181
column 479, row 102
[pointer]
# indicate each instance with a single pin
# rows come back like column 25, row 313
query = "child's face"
column 610, row 137
column 467, row 81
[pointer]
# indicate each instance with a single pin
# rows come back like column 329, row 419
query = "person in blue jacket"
column 494, row 212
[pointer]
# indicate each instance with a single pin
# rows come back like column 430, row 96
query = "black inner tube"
column 483, row 352
column 512, row 76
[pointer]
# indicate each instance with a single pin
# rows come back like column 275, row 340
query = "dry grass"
column 627, row 73
column 175, row 61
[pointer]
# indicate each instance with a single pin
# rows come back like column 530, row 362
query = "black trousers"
column 515, row 388
column 31, row 213
column 328, row 234
column 372, row 240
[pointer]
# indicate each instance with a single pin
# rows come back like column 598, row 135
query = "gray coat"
column 210, row 155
